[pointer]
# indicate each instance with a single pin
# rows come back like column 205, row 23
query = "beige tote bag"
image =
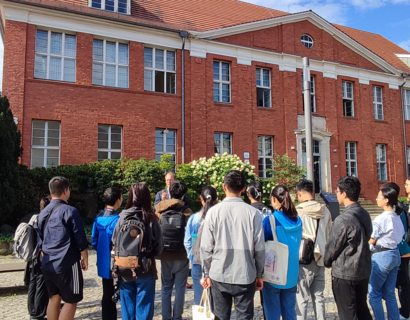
column 276, row 258
column 203, row 310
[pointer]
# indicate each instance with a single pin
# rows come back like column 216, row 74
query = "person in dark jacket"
column 348, row 253
column 165, row 194
column 137, row 295
column 254, row 191
column 103, row 229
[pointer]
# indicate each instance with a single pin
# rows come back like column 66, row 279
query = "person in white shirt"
column 387, row 233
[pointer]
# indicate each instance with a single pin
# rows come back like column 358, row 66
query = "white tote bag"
column 276, row 258
column 203, row 310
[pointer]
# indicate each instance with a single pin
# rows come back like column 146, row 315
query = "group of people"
column 224, row 243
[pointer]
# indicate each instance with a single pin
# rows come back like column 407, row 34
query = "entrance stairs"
column 368, row 205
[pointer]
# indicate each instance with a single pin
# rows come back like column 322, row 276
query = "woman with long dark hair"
column 280, row 300
column 137, row 296
column 254, row 191
column 208, row 198
column 387, row 233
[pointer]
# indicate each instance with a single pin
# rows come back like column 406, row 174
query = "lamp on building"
column 292, row 148
column 165, row 131
column 334, row 150
column 16, row 120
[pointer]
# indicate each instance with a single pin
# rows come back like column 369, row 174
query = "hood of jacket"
column 168, row 205
column 288, row 224
column 104, row 221
column 313, row 209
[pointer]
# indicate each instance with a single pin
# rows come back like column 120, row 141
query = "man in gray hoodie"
column 317, row 223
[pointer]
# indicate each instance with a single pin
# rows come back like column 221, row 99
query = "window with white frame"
column 45, row 143
column 348, row 104
column 381, row 162
column 165, row 143
column 351, row 159
column 120, row 6
column 307, row 41
column 408, row 159
column 263, row 88
column 407, row 103
column 55, row 56
column 110, row 63
column 265, row 156
column 109, row 142
column 159, row 70
column 222, row 82
column 312, row 94
column 222, row 143
column 378, row 103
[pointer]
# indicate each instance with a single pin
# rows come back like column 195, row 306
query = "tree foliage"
column 11, row 150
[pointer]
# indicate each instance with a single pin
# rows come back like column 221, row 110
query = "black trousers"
column 403, row 286
column 222, row 296
column 351, row 299
column 37, row 297
column 109, row 309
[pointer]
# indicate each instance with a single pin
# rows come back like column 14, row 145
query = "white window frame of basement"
column 348, row 158
column 380, row 163
column 50, row 55
column 109, row 149
column 45, row 147
column 116, row 63
column 90, row 5
column 264, row 156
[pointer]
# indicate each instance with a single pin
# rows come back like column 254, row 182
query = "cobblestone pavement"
column 13, row 296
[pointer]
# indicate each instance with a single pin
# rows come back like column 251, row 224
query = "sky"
column 390, row 18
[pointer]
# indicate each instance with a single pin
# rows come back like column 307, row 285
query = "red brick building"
column 95, row 79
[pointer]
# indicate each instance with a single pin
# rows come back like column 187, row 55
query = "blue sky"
column 390, row 18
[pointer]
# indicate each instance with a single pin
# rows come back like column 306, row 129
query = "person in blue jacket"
column 280, row 300
column 103, row 228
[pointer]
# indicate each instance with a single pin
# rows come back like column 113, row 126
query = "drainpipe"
column 183, row 35
column 404, row 75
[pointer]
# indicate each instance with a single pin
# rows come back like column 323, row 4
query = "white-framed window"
column 165, row 143
column 222, row 142
column 263, row 88
column 378, row 103
column 381, row 162
column 407, row 103
column 307, row 41
column 348, row 103
column 120, row 6
column 45, row 143
column 109, row 142
column 110, row 63
column 55, row 56
column 265, row 156
column 159, row 70
column 408, row 159
column 312, row 94
column 222, row 81
column 351, row 159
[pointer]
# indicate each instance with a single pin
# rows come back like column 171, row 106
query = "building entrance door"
column 316, row 162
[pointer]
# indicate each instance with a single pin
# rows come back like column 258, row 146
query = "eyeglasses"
column 406, row 184
column 379, row 198
column 337, row 191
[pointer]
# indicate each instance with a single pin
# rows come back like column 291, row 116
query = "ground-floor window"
column 109, row 142
column 381, row 162
column 223, row 142
column 165, row 143
column 265, row 156
column 45, row 143
column 351, row 159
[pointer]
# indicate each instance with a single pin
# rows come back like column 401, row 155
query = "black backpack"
column 130, row 248
column 172, row 223
column 307, row 248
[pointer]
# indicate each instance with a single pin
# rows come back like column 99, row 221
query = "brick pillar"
column 136, row 66
column 84, row 67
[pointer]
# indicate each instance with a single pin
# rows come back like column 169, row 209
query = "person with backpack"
column 280, row 300
column 137, row 240
column 37, row 295
column 193, row 235
column 232, row 251
column 165, row 194
column 173, row 214
column 254, row 191
column 63, row 243
column 103, row 229
column 317, row 223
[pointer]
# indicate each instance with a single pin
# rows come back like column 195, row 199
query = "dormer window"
column 120, row 6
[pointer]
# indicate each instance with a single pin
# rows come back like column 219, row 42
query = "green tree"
column 11, row 150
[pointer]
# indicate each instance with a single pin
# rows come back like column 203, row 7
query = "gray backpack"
column 25, row 240
column 196, row 247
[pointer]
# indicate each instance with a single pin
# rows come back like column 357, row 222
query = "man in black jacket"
column 348, row 254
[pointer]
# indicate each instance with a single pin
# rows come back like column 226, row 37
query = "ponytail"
column 208, row 194
column 281, row 193
column 255, row 190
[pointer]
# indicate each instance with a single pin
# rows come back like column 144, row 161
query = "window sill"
column 224, row 104
column 264, row 108
column 350, row 118
column 116, row 12
column 160, row 93
column 379, row 121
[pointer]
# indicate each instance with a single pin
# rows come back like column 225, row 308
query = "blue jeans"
column 196, row 274
column 173, row 272
column 137, row 298
column 385, row 266
column 277, row 302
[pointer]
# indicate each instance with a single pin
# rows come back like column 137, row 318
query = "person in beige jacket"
column 316, row 219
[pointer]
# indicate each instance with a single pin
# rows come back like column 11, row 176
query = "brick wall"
column 81, row 107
